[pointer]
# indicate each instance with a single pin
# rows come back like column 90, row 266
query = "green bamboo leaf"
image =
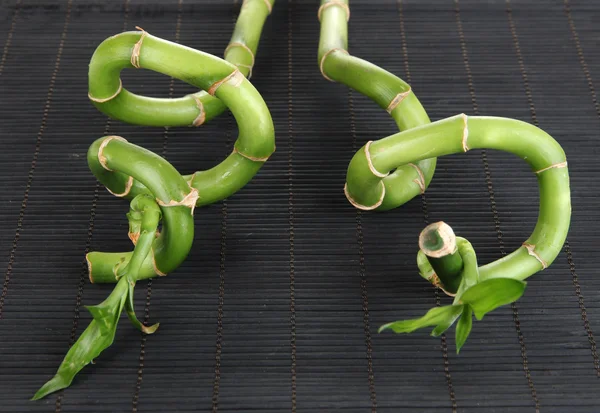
column 98, row 336
column 435, row 316
column 488, row 295
column 447, row 323
column 463, row 327
column 133, row 318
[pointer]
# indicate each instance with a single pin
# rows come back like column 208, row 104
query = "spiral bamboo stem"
column 159, row 193
column 386, row 173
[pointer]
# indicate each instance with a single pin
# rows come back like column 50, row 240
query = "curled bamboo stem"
column 159, row 193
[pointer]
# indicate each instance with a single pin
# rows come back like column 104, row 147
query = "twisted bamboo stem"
column 386, row 173
column 158, row 191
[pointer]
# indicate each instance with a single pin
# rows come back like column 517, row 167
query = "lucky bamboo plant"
column 159, row 193
column 389, row 172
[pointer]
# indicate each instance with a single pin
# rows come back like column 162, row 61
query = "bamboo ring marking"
column 247, row 67
column 128, row 186
column 421, row 180
column 102, row 100
column 334, row 3
column 365, row 207
column 252, row 158
column 236, row 77
column 465, row 136
column 243, row 46
column 397, row 99
column 201, row 114
column 135, row 53
column 531, row 251
column 370, row 162
column 267, row 3
column 155, row 268
column 556, row 165
column 189, row 200
column 323, row 62
column 105, row 142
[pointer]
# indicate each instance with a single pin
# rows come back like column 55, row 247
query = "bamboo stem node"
column 235, row 77
column 252, row 158
column 103, row 100
column 155, row 268
column 531, row 251
column 421, row 180
column 128, row 186
column 365, row 207
column 334, row 3
column 465, row 135
column 201, row 113
column 370, row 162
column 322, row 63
column 243, row 46
column 89, row 267
column 554, row 166
column 135, row 52
column 101, row 158
column 397, row 100
column 188, row 201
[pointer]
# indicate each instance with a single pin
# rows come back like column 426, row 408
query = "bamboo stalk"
column 158, row 191
column 389, row 92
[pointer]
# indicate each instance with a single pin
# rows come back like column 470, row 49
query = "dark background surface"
column 278, row 305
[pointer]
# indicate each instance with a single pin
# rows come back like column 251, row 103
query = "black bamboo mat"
column 277, row 307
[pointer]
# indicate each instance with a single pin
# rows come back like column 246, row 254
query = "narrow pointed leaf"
column 98, row 336
column 133, row 318
column 447, row 323
column 490, row 294
column 435, row 316
column 463, row 327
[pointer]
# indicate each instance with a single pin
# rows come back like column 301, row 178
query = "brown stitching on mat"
column 586, row 72
column 36, row 153
column 424, row 208
column 363, row 271
column 9, row 36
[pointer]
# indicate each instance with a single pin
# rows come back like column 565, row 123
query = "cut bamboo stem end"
column 334, row 3
column 101, row 158
column 438, row 242
column 370, row 162
column 235, row 77
column 397, row 100
column 531, row 251
column 322, row 62
column 135, row 53
column 365, row 207
column 103, row 100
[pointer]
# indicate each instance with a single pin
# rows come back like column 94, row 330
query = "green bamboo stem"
column 158, row 191
column 389, row 92
column 438, row 243
column 461, row 133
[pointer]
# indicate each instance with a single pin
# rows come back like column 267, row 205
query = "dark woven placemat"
column 278, row 305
